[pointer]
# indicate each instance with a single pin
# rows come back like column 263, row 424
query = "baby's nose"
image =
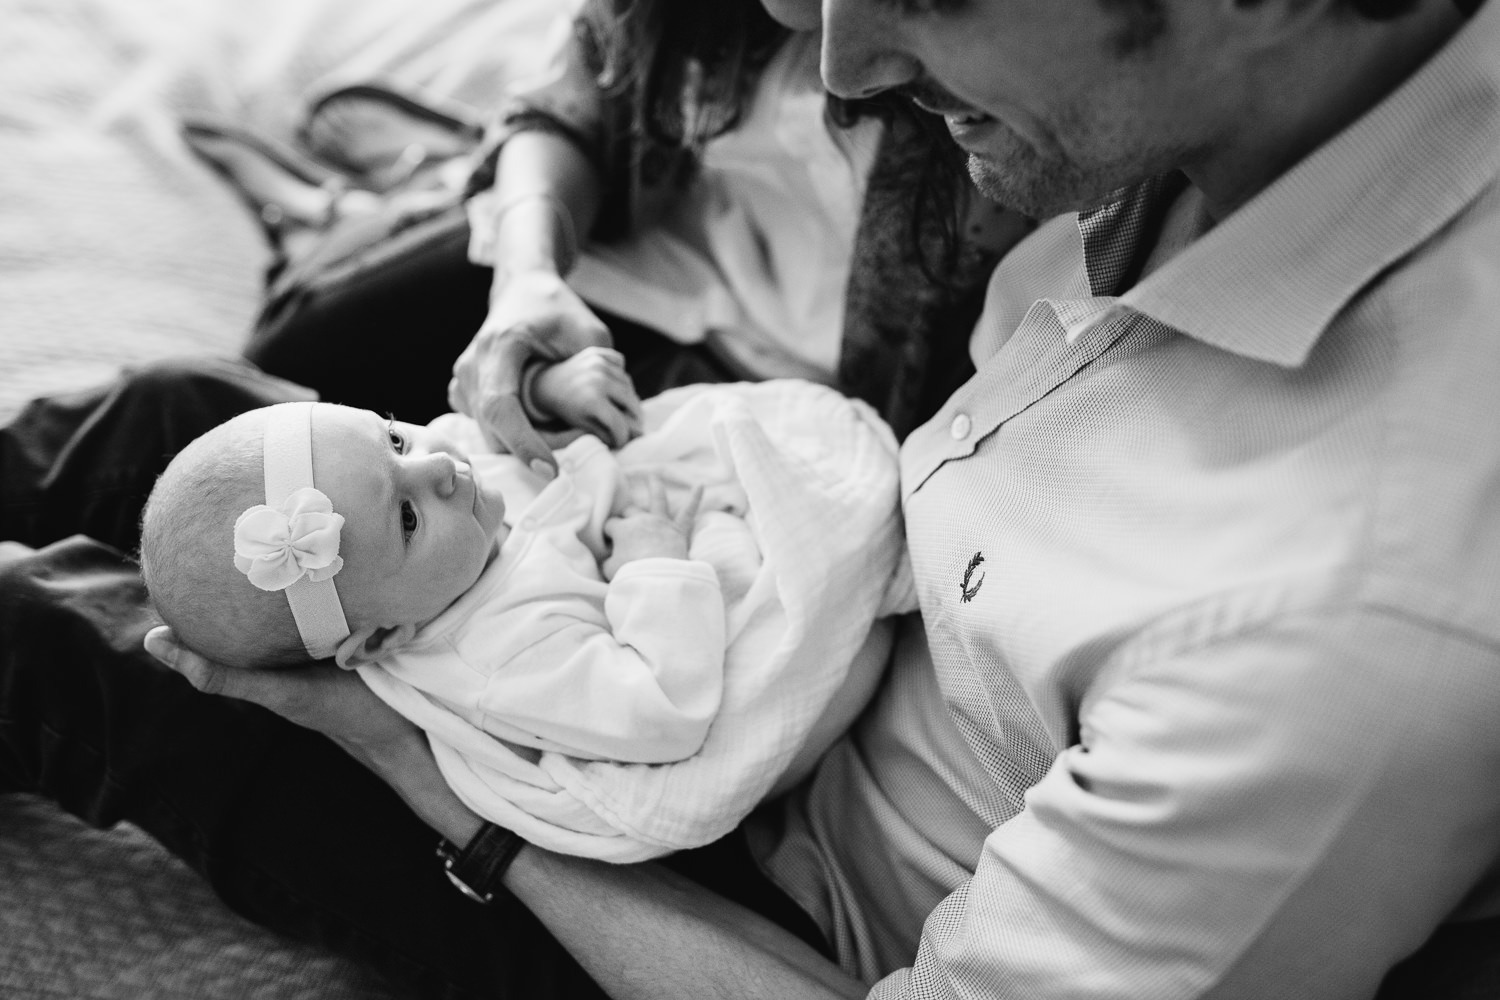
column 443, row 472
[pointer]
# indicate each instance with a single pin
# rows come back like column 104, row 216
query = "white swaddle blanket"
column 817, row 476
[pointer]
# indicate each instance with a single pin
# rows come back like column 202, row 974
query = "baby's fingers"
column 689, row 512
column 658, row 490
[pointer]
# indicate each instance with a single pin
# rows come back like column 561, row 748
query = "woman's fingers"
column 486, row 385
column 502, row 416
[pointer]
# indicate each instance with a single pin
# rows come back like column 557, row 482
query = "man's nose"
column 863, row 51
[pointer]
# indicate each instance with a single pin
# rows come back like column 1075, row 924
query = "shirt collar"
column 1269, row 279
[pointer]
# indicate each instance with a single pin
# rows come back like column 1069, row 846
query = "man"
column 1207, row 549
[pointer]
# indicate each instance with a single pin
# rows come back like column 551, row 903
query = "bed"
column 117, row 247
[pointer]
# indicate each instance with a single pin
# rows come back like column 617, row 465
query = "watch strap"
column 477, row 868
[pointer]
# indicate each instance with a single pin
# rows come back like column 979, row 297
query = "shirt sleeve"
column 643, row 690
column 1283, row 813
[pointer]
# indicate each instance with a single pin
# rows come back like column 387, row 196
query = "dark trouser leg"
column 289, row 830
column 85, row 462
column 386, row 339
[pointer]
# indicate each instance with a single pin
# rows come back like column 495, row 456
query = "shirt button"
column 960, row 427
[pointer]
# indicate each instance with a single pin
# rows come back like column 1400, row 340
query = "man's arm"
column 645, row 932
column 1284, row 809
column 641, row 931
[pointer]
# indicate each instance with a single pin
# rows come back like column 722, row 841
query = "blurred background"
column 117, row 245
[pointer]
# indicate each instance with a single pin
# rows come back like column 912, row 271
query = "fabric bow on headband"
column 290, row 543
column 277, row 546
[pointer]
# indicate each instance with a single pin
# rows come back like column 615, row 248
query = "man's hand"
column 337, row 704
column 535, row 317
column 334, row 702
column 701, row 944
column 652, row 530
column 591, row 390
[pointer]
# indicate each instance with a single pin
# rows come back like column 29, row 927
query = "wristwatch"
column 476, row 869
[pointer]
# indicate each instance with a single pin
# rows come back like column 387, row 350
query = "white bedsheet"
column 117, row 246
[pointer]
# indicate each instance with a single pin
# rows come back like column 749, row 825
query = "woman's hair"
column 687, row 66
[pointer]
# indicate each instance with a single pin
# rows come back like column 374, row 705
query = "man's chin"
column 1026, row 189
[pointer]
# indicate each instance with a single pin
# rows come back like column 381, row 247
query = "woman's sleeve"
column 564, row 100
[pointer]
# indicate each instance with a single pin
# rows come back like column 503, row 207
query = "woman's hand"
column 535, row 316
column 337, row 704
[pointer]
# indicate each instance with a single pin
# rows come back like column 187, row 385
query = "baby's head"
column 386, row 531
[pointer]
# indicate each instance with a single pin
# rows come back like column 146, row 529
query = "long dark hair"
column 688, row 68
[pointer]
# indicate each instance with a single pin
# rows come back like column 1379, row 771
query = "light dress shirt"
column 544, row 653
column 1209, row 567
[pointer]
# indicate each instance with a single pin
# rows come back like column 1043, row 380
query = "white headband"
column 291, row 542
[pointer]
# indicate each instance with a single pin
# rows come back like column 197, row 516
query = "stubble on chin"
column 1023, row 183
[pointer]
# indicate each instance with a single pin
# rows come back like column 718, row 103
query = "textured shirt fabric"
column 1209, row 566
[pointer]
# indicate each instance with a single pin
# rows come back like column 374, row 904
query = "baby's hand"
column 591, row 391
column 638, row 532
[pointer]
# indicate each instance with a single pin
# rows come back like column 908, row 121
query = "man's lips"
column 952, row 114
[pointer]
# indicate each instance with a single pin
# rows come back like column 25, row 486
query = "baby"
column 701, row 600
column 307, row 530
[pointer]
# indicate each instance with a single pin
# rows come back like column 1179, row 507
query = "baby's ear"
column 370, row 644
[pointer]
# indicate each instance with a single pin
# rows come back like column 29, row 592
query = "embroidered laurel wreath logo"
column 966, row 592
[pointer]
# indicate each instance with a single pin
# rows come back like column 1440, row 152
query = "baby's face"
column 418, row 527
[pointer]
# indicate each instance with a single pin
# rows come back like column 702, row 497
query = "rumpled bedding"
column 818, row 477
column 117, row 245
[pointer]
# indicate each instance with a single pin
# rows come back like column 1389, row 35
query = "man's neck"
column 1311, row 89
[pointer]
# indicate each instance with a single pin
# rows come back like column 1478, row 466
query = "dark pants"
column 289, row 830
column 384, row 336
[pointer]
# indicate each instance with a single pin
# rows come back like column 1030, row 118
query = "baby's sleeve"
column 643, row 690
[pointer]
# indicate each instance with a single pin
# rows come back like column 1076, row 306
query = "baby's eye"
column 398, row 440
column 408, row 519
